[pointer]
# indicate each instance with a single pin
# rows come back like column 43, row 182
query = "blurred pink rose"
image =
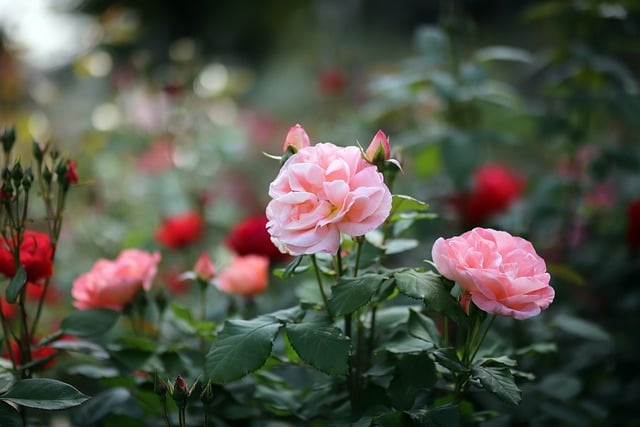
column 113, row 284
column 503, row 273
column 320, row 192
column 204, row 267
column 246, row 276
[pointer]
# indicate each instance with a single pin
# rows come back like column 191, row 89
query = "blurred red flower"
column 36, row 253
column 40, row 352
column 8, row 310
column 180, row 230
column 250, row 237
column 331, row 80
column 633, row 225
column 495, row 188
column 72, row 173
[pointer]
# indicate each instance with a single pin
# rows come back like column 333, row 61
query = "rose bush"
column 503, row 273
column 113, row 284
column 320, row 192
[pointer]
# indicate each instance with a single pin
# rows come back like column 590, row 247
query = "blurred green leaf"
column 16, row 284
column 414, row 372
column 503, row 53
column 428, row 161
column 95, row 321
column 565, row 272
column 104, row 403
column 242, row 346
column 9, row 417
column 396, row 246
column 580, row 328
column 44, row 393
column 443, row 416
column 498, row 381
column 561, row 385
column 351, row 293
column 433, row 43
column 292, row 268
column 321, row 345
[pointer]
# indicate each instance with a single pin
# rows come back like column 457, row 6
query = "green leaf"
column 351, row 293
column 404, row 343
column 423, row 328
column 242, row 346
column 16, row 284
column 44, row 393
column 414, row 372
column 396, row 246
column 104, row 403
column 291, row 269
column 498, row 381
column 9, row 417
column 443, row 416
column 83, row 323
column 581, row 328
column 448, row 358
column 428, row 287
column 321, row 345
column 401, row 203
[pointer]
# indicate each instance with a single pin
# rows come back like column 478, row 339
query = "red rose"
column 250, row 237
column 8, row 310
column 41, row 352
column 633, row 224
column 331, row 81
column 36, row 255
column 494, row 189
column 180, row 230
column 72, row 173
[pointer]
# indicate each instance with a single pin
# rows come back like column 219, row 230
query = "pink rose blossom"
column 112, row 284
column 503, row 273
column 320, row 192
column 246, row 276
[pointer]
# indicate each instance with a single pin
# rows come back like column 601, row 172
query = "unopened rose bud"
column 204, row 268
column 465, row 300
column 159, row 386
column 27, row 179
column 72, row 174
column 296, row 139
column 17, row 174
column 38, row 151
column 8, row 138
column 180, row 392
column 47, row 175
column 379, row 149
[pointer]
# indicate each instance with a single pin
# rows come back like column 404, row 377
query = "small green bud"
column 180, row 392
column 8, row 138
column 38, row 151
column 17, row 174
column 47, row 175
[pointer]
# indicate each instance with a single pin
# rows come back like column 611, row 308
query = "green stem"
column 319, row 280
column 484, row 334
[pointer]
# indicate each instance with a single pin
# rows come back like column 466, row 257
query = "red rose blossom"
column 40, row 352
column 36, row 253
column 250, row 237
column 180, row 230
column 494, row 189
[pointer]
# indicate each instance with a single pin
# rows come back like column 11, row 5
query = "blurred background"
column 522, row 115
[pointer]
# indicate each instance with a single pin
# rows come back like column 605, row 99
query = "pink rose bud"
column 180, row 392
column 296, row 138
column 465, row 300
column 204, row 268
column 379, row 149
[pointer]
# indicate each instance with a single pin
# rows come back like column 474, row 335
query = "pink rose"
column 246, row 276
column 113, row 284
column 320, row 192
column 503, row 273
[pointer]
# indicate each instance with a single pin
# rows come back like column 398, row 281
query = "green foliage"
column 89, row 322
column 43, row 393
